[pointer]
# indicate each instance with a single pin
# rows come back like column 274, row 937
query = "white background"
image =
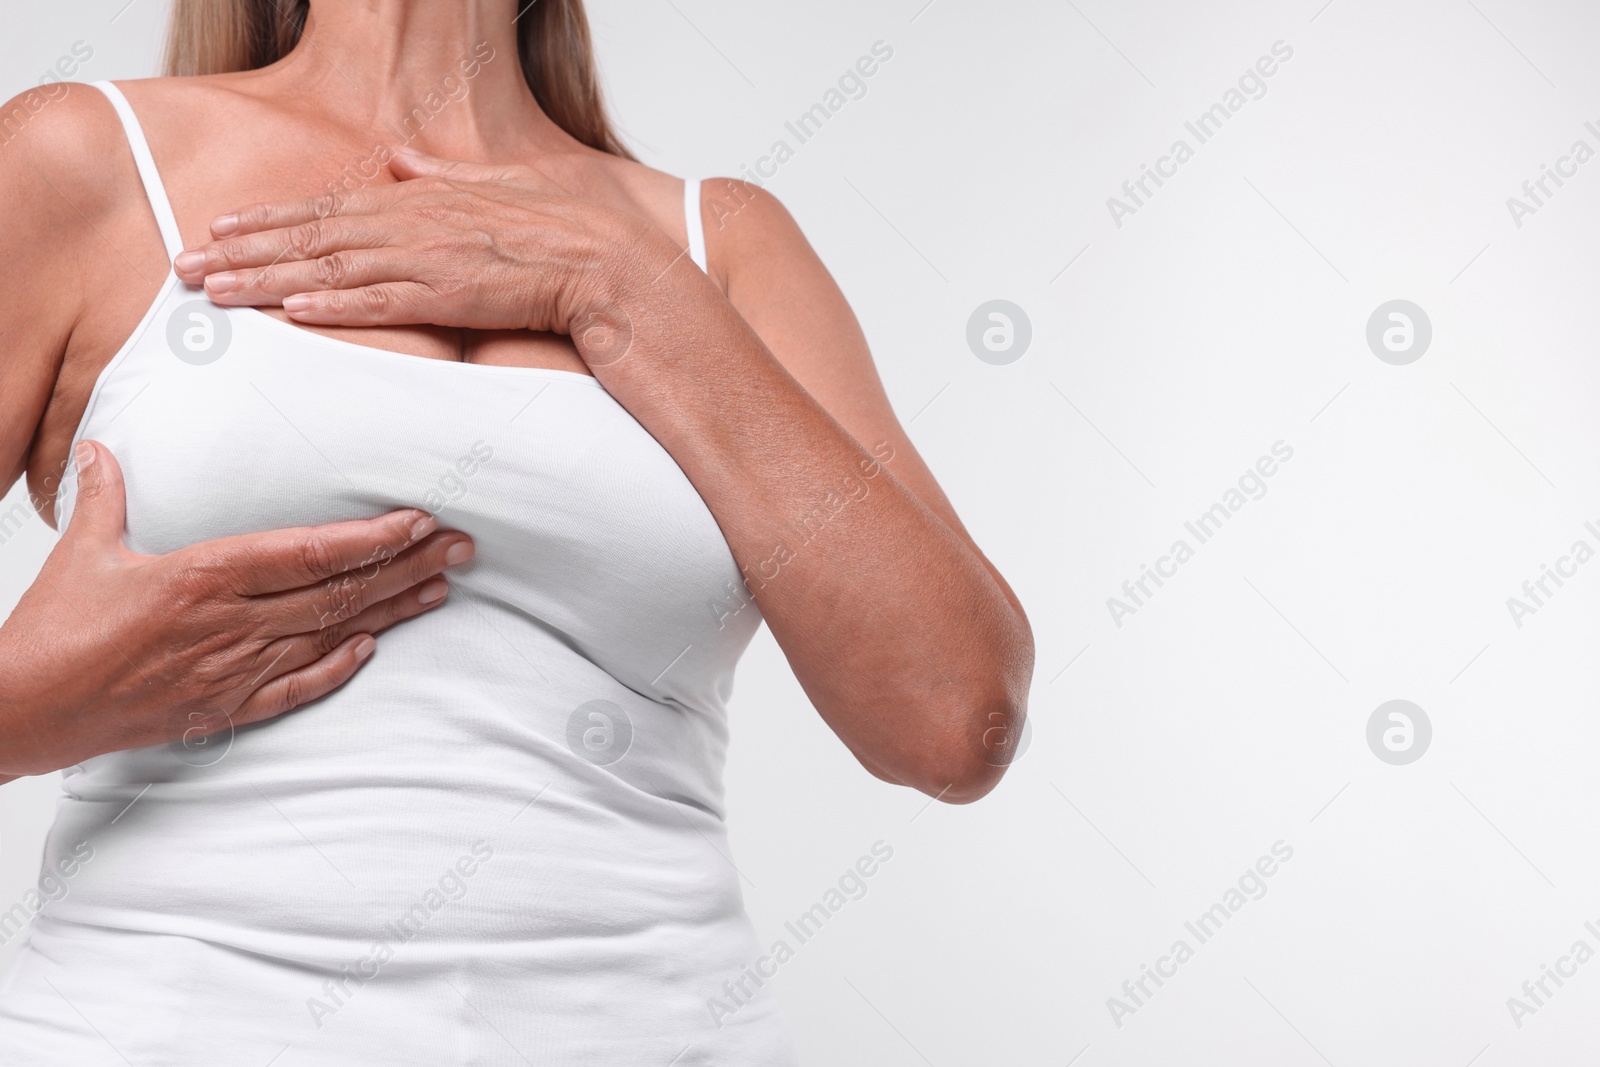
column 1227, row 314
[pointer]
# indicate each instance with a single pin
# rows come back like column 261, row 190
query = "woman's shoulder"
column 72, row 193
column 69, row 137
column 63, row 136
column 170, row 99
column 743, row 222
column 73, row 121
column 749, row 232
column 725, row 201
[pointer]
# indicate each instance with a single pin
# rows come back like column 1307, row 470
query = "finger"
column 279, row 214
column 100, row 508
column 345, row 596
column 289, row 691
column 306, row 240
column 298, row 650
column 397, row 303
column 408, row 163
column 341, row 270
column 280, row 560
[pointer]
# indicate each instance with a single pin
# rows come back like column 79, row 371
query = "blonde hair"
column 553, row 45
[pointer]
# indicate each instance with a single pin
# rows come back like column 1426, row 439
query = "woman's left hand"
column 466, row 245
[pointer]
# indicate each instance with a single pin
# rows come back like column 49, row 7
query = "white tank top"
column 502, row 842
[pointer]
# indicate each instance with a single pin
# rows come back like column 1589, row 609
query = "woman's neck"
column 440, row 75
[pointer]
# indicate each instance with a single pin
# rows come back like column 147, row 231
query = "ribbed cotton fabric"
column 503, row 841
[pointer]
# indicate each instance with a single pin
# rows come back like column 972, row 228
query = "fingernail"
column 433, row 592
column 423, row 527
column 458, row 553
column 298, row 302
column 223, row 225
column 189, row 261
column 83, row 455
column 225, row 282
column 364, row 647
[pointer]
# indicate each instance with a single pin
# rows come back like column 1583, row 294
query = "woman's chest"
column 225, row 422
column 129, row 285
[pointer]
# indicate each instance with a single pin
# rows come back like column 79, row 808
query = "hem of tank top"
column 338, row 342
column 104, row 376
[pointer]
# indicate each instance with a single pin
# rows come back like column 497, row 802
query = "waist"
column 508, row 850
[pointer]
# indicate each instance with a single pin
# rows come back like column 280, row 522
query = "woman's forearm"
column 25, row 748
column 9, row 713
column 907, row 644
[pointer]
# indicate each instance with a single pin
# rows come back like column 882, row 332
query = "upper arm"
column 55, row 148
column 776, row 281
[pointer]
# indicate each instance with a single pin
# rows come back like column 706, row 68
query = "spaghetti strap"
column 153, row 189
column 693, row 223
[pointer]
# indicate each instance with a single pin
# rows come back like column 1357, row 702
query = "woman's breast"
column 598, row 625
column 449, row 344
column 584, row 524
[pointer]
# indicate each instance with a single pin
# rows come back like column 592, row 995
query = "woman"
column 303, row 378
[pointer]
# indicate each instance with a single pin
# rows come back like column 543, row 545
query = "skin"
column 505, row 241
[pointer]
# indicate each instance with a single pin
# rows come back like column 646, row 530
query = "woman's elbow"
column 973, row 752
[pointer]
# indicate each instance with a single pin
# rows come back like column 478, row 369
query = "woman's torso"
column 515, row 806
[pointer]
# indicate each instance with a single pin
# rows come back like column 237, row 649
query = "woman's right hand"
column 111, row 650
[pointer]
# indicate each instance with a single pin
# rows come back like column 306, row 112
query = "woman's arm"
column 909, row 643
column 48, row 170
column 45, row 171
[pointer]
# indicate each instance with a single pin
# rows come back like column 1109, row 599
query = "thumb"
column 408, row 163
column 100, row 503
